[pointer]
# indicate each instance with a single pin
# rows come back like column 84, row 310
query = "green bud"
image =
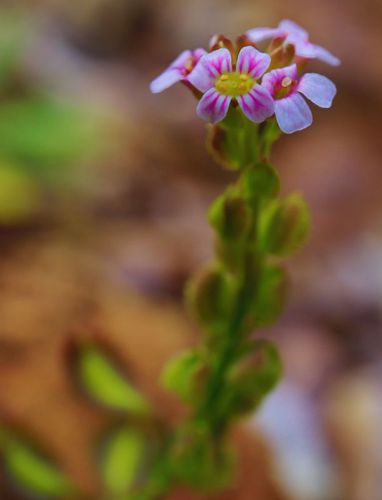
column 230, row 216
column 254, row 376
column 284, row 226
column 208, row 296
column 260, row 182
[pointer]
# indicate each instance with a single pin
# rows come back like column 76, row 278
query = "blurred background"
column 103, row 194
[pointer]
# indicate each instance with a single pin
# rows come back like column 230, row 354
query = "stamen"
column 286, row 82
column 189, row 65
column 234, row 84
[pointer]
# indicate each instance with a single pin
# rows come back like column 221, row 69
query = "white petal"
column 293, row 113
column 319, row 89
column 325, row 56
column 291, row 28
column 260, row 34
column 165, row 80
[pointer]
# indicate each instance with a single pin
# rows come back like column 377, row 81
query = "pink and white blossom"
column 179, row 70
column 221, row 82
column 292, row 33
column 291, row 110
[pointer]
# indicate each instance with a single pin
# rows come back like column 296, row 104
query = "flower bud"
column 208, row 296
column 284, row 226
column 230, row 216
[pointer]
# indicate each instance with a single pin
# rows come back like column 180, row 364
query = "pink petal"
column 209, row 68
column 260, row 34
column 253, row 62
column 318, row 89
column 257, row 105
column 197, row 54
column 165, row 80
column 293, row 113
column 172, row 74
column 325, row 56
column 213, row 106
column 291, row 28
column 274, row 78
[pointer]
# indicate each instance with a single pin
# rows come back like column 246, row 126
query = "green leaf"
column 260, row 182
column 32, row 471
column 20, row 196
column 270, row 296
column 104, row 384
column 122, row 460
column 45, row 133
column 184, row 374
column 14, row 33
column 284, row 226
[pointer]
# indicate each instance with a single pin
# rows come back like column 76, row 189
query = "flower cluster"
column 263, row 84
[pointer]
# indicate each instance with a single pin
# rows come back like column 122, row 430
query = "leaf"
column 284, row 226
column 183, row 374
column 122, row 458
column 14, row 33
column 106, row 385
column 32, row 471
column 20, row 196
column 45, row 133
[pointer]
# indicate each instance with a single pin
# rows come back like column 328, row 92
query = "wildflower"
column 291, row 110
column 221, row 82
column 291, row 33
column 179, row 70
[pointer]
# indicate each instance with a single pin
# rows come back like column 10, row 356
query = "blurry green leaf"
column 31, row 471
column 106, row 385
column 20, row 196
column 270, row 296
column 14, row 33
column 182, row 374
column 46, row 133
column 260, row 182
column 121, row 462
column 284, row 225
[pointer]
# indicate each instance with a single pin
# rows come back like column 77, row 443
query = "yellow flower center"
column 234, row 84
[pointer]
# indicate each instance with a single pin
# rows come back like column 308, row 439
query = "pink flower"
column 291, row 110
column 221, row 82
column 293, row 34
column 179, row 70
